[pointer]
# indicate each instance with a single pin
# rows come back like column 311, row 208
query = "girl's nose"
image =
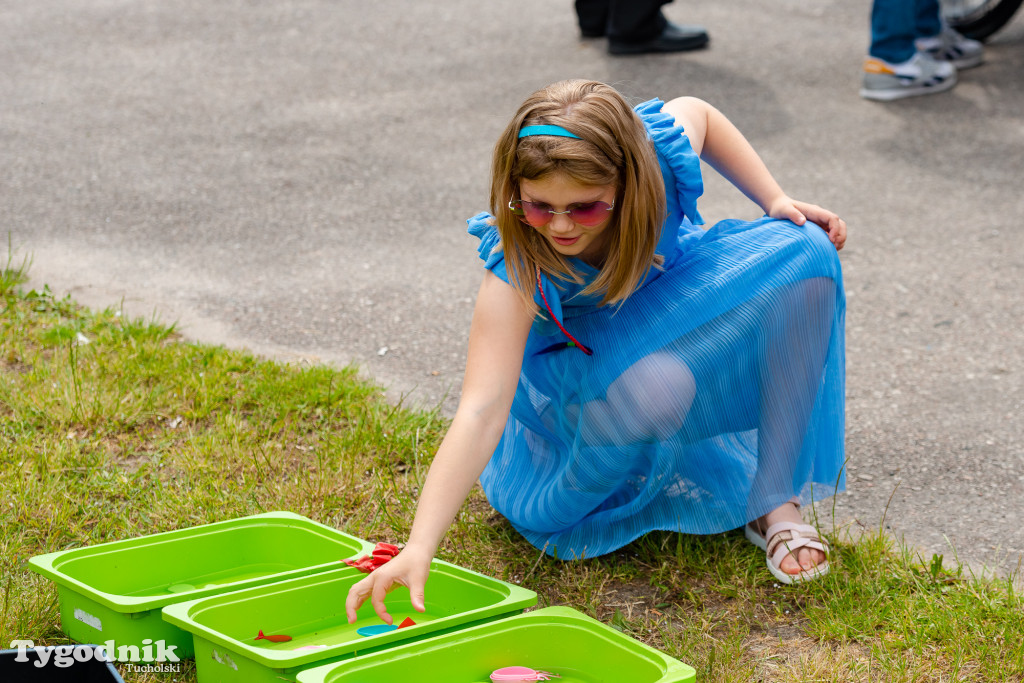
column 560, row 222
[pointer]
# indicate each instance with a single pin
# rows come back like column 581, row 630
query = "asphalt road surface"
column 293, row 177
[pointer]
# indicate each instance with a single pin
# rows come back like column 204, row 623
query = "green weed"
column 113, row 428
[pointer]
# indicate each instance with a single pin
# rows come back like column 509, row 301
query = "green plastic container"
column 558, row 640
column 311, row 610
column 115, row 591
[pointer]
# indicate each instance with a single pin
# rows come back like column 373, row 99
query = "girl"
column 628, row 371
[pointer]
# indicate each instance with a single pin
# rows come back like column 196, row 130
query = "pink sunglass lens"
column 536, row 216
column 589, row 214
column 584, row 214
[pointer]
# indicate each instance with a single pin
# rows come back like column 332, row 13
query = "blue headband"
column 557, row 131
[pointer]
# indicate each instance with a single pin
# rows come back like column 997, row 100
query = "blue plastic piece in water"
column 376, row 629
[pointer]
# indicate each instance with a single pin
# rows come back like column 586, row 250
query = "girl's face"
column 559, row 192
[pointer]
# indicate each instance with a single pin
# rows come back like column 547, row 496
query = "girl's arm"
column 721, row 144
column 497, row 340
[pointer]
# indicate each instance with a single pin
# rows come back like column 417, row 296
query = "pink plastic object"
column 520, row 673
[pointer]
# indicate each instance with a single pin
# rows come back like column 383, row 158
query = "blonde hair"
column 613, row 149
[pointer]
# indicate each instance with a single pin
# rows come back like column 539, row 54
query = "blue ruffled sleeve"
column 680, row 165
column 484, row 227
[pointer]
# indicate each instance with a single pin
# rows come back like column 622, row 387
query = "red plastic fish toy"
column 408, row 622
column 273, row 639
column 381, row 554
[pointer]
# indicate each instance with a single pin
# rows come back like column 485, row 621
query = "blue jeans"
column 896, row 23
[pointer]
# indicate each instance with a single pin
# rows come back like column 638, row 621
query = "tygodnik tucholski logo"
column 151, row 657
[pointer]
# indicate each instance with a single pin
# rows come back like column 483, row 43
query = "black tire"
column 979, row 19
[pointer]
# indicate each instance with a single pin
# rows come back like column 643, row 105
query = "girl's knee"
column 654, row 394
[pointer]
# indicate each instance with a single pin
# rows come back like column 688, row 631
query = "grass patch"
column 112, row 428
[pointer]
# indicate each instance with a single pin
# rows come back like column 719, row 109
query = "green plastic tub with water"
column 116, row 591
column 568, row 646
column 310, row 613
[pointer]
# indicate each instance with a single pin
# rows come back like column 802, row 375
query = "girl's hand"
column 409, row 568
column 801, row 212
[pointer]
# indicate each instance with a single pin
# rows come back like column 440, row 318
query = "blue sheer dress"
column 714, row 393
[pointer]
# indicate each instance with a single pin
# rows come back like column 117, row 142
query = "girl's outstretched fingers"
column 418, row 598
column 357, row 595
column 407, row 570
column 377, row 595
column 375, row 587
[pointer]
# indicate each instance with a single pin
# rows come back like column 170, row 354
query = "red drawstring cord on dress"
column 574, row 341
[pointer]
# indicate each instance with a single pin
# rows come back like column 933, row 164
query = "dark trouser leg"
column 635, row 21
column 592, row 16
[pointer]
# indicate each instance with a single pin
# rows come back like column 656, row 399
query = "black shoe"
column 674, row 38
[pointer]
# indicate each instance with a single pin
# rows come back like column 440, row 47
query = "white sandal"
column 784, row 538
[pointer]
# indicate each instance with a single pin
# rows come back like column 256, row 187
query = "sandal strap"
column 785, row 538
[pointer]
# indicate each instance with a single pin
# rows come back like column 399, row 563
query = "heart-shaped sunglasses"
column 539, row 214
